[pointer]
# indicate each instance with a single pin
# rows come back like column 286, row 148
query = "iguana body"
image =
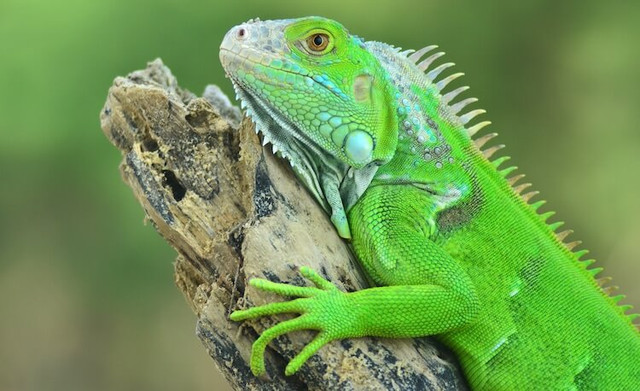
column 453, row 248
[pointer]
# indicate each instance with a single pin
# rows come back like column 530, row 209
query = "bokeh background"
column 87, row 300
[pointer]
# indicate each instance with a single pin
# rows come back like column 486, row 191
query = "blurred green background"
column 87, row 300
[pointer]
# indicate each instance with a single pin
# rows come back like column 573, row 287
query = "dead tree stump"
column 233, row 211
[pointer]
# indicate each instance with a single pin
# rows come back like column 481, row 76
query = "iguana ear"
column 384, row 122
column 378, row 141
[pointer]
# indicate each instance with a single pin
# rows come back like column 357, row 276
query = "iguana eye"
column 318, row 42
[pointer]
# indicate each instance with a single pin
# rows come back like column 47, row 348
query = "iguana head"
column 310, row 85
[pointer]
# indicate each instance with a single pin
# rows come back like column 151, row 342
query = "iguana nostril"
column 242, row 33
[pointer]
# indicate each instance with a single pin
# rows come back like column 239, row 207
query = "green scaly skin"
column 453, row 249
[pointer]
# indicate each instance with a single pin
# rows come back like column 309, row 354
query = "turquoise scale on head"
column 335, row 121
column 323, row 116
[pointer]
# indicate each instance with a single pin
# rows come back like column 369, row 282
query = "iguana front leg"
column 426, row 291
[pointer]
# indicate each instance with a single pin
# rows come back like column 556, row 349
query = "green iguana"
column 445, row 235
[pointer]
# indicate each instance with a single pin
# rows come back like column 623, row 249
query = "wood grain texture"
column 233, row 211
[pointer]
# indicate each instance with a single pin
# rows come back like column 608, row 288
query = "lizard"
column 451, row 242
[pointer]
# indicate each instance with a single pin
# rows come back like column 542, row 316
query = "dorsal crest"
column 425, row 61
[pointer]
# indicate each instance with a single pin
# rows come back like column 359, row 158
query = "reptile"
column 452, row 244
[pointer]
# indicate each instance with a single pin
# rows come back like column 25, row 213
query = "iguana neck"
column 431, row 140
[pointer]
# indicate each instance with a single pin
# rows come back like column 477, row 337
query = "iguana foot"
column 322, row 308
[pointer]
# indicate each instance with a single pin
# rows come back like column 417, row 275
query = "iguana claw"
column 315, row 304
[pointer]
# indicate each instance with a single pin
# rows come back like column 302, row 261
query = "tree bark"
column 233, row 211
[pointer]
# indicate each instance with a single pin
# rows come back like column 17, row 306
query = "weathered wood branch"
column 233, row 211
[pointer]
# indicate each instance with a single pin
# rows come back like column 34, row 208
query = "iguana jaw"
column 287, row 142
column 314, row 166
column 274, row 127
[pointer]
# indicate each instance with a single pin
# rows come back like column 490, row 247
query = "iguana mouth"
column 256, row 57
